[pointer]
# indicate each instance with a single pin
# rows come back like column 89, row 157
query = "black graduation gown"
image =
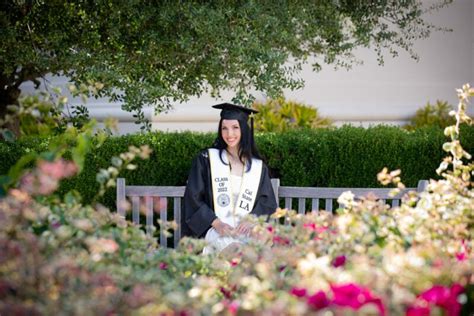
column 197, row 212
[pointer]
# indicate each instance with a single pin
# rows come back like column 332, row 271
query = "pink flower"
column 437, row 263
column 163, row 265
column 315, row 228
column 57, row 169
column 339, row 261
column 310, row 226
column 461, row 256
column 318, row 300
column 278, row 240
column 138, row 296
column 444, row 297
column 298, row 291
column 35, row 183
column 463, row 253
column 270, row 229
column 418, row 311
column 234, row 262
column 355, row 296
column 233, row 308
column 318, row 230
column 107, row 245
column 45, row 178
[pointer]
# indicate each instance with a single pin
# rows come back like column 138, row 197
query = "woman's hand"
column 222, row 228
column 244, row 228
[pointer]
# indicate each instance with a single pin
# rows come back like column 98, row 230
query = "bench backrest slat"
column 121, row 198
column 328, row 205
column 144, row 198
column 136, row 209
column 149, row 213
column 288, row 203
column 334, row 193
column 163, row 218
column 315, row 204
column 131, row 190
column 177, row 218
column 301, row 205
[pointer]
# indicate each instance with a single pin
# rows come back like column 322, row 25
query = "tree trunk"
column 9, row 96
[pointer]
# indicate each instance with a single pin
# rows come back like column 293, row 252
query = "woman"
column 226, row 183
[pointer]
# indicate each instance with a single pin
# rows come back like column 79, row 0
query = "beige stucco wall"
column 370, row 93
column 367, row 94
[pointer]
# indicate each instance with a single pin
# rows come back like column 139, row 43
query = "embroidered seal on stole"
column 223, row 200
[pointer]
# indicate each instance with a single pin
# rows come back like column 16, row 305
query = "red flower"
column 463, row 254
column 318, row 300
column 310, row 226
column 313, row 227
column 339, row 261
column 444, row 297
column 355, row 296
column 278, row 240
column 234, row 262
column 298, row 291
column 227, row 293
column 163, row 265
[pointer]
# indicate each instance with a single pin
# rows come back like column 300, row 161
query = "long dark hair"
column 247, row 148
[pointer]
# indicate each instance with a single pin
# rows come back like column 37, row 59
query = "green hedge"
column 343, row 157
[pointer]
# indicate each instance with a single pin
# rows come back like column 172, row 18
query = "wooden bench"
column 150, row 199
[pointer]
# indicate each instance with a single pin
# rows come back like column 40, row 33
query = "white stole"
column 222, row 191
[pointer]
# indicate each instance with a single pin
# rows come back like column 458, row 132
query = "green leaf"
column 15, row 172
column 48, row 155
column 8, row 135
column 72, row 198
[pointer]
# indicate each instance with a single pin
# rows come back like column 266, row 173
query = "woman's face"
column 230, row 131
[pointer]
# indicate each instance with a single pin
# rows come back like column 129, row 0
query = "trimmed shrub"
column 343, row 157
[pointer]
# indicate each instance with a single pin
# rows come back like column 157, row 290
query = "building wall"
column 367, row 94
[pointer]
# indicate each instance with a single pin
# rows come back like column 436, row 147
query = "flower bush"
column 58, row 256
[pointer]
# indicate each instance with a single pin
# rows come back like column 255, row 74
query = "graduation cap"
column 234, row 112
column 231, row 111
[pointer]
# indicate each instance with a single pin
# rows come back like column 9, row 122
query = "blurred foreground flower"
column 45, row 178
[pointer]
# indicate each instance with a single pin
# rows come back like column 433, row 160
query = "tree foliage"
column 157, row 52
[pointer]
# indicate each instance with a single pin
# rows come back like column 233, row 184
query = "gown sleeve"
column 266, row 203
column 197, row 212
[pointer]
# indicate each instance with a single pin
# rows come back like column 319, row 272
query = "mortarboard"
column 234, row 112
column 231, row 111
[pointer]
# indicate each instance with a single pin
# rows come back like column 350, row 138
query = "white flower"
column 194, row 292
column 343, row 221
column 346, row 198
column 310, row 263
column 416, row 261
